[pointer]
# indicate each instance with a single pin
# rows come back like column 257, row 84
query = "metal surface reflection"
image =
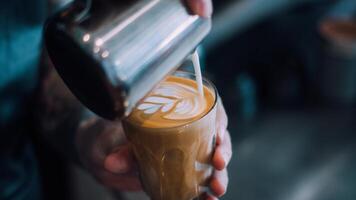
column 112, row 53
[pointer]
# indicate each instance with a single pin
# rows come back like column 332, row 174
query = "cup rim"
column 184, row 74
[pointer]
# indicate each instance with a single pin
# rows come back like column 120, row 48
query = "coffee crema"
column 174, row 102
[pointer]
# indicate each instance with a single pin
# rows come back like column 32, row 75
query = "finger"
column 221, row 122
column 219, row 183
column 203, row 8
column 223, row 153
column 127, row 182
column 120, row 161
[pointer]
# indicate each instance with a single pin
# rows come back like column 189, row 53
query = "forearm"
column 58, row 113
column 70, row 128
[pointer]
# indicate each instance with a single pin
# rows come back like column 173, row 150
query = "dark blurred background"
column 286, row 71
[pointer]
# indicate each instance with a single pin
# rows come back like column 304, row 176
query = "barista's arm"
column 81, row 136
column 58, row 113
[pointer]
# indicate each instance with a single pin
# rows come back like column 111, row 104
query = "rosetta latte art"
column 174, row 101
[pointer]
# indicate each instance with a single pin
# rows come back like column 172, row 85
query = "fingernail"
column 222, row 134
column 226, row 156
column 224, row 165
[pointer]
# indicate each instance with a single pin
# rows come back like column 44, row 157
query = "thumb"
column 119, row 161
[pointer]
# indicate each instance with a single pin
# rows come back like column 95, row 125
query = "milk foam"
column 174, row 100
column 177, row 101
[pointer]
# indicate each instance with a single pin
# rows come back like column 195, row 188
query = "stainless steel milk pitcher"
column 111, row 53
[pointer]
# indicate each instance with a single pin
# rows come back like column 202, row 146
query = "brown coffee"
column 172, row 132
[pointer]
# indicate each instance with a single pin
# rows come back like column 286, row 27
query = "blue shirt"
column 21, row 24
